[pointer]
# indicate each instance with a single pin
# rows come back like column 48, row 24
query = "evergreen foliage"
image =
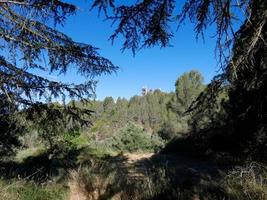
column 11, row 126
column 158, row 113
column 30, row 43
column 31, row 47
column 132, row 138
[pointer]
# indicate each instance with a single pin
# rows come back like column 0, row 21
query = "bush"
column 75, row 140
column 171, row 129
column 133, row 138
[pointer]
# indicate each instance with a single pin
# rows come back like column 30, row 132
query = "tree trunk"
column 247, row 75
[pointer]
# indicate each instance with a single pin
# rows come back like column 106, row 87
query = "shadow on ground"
column 41, row 168
column 153, row 176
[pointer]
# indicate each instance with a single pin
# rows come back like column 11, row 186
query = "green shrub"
column 75, row 140
column 133, row 138
column 95, row 151
column 171, row 129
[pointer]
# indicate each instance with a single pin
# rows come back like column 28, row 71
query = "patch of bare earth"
column 136, row 168
column 77, row 191
column 133, row 157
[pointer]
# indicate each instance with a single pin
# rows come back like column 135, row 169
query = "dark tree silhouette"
column 31, row 42
column 247, row 75
column 10, row 128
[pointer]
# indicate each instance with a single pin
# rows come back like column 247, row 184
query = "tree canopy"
column 32, row 45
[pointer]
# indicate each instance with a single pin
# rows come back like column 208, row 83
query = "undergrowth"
column 162, row 178
column 22, row 190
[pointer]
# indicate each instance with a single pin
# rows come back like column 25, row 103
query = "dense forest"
column 157, row 112
column 201, row 141
column 145, row 122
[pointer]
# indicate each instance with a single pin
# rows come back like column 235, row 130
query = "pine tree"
column 187, row 88
column 31, row 45
column 31, row 48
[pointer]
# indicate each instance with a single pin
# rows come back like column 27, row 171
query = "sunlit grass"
column 25, row 153
column 22, row 190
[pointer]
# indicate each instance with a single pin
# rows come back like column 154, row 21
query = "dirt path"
column 77, row 192
column 138, row 167
column 133, row 157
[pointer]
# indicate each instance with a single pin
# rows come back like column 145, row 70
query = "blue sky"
column 153, row 67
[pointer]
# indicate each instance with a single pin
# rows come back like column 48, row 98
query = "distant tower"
column 144, row 91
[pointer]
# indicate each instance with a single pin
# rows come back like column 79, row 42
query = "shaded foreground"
column 130, row 176
column 159, row 176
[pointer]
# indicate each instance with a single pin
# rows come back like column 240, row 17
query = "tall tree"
column 187, row 88
column 108, row 105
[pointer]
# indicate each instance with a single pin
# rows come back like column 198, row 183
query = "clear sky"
column 153, row 68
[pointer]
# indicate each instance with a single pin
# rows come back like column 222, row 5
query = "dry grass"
column 249, row 182
column 142, row 176
column 148, row 176
column 77, row 188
